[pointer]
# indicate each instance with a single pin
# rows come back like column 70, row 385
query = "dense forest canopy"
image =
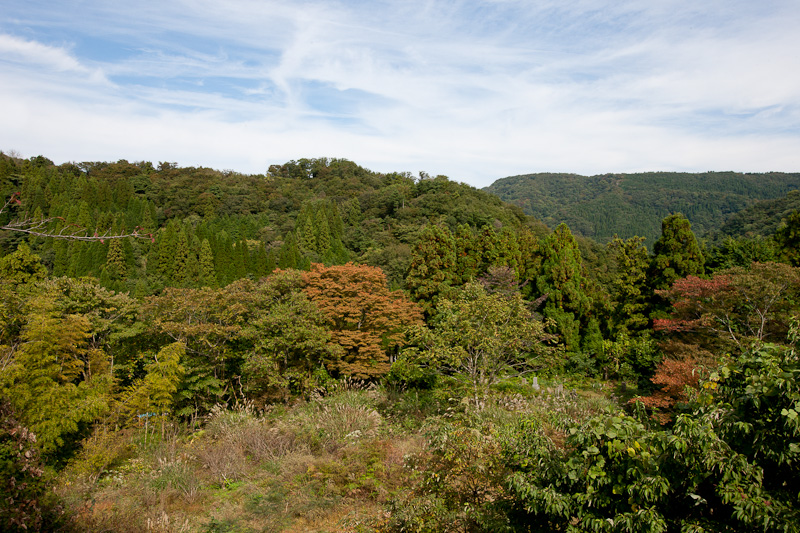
column 325, row 210
column 188, row 349
column 633, row 204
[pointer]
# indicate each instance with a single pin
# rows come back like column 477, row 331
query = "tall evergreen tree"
column 432, row 270
column 676, row 254
column 561, row 276
column 116, row 266
column 323, row 234
column 561, row 279
column 167, row 242
column 180, row 269
column 208, row 275
column 629, row 287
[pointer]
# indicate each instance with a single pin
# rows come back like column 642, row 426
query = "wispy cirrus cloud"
column 475, row 90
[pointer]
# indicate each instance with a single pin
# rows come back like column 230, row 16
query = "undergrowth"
column 351, row 458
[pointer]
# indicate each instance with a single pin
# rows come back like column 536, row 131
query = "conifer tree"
column 289, row 255
column 629, row 287
column 561, row 276
column 676, row 254
column 530, row 265
column 432, row 270
column 241, row 260
column 167, row 243
column 208, row 275
column 323, row 234
column 223, row 259
column 180, row 268
column 61, row 262
column 561, row 279
column 335, row 222
column 84, row 216
column 305, row 224
column 147, row 224
column 116, row 266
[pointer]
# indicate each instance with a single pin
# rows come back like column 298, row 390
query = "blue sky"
column 473, row 90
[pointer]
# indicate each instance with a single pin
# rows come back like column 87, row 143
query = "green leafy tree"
column 22, row 267
column 467, row 255
column 742, row 252
column 788, row 238
column 488, row 245
column 156, row 393
column 484, row 337
column 760, row 395
column 289, row 338
column 56, row 382
column 210, row 324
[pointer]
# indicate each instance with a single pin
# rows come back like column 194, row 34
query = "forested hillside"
column 326, row 348
column 634, row 204
column 761, row 219
column 210, row 227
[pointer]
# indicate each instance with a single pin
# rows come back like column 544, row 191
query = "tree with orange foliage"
column 674, row 374
column 366, row 319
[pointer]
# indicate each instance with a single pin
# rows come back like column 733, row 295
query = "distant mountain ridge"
column 762, row 218
column 634, row 204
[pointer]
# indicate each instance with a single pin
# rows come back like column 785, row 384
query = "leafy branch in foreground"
column 44, row 227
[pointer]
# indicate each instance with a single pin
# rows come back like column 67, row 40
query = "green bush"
column 405, row 374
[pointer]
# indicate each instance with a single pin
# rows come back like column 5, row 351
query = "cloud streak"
column 474, row 90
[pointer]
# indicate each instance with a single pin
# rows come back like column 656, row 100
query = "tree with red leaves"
column 736, row 304
column 366, row 318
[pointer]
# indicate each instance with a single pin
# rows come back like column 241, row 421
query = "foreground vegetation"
column 366, row 458
column 349, row 351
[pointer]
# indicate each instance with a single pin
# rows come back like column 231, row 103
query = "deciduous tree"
column 736, row 304
column 484, row 337
column 366, row 319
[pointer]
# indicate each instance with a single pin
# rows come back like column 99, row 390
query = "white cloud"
column 23, row 51
column 474, row 90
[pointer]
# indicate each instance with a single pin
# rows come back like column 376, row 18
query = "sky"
column 476, row 91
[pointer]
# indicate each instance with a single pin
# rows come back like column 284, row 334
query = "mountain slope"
column 634, row 204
